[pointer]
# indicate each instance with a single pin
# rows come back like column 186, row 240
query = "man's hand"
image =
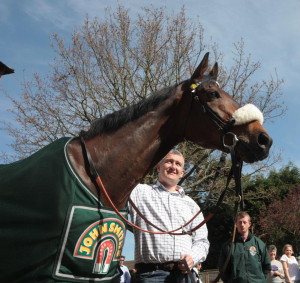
column 189, row 261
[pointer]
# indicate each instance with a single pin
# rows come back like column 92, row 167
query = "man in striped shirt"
column 159, row 256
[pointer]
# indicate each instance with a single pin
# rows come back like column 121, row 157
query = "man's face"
column 170, row 169
column 243, row 224
column 121, row 261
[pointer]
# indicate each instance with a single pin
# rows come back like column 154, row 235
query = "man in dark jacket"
column 249, row 261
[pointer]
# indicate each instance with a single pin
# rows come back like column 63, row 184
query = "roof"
column 5, row 70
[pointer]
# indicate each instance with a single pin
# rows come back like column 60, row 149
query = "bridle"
column 235, row 170
column 223, row 126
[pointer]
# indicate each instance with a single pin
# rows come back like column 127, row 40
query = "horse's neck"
column 124, row 157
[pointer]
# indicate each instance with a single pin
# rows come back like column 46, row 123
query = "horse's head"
column 225, row 123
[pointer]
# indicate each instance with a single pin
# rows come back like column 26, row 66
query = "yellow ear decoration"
column 193, row 87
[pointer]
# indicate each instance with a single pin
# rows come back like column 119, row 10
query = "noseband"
column 224, row 127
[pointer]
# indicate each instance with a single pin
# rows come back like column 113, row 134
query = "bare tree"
column 115, row 62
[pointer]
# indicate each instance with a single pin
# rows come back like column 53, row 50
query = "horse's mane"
column 117, row 119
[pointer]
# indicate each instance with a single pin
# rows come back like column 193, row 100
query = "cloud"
column 48, row 12
column 63, row 15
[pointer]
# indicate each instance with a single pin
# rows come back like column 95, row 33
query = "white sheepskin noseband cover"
column 246, row 114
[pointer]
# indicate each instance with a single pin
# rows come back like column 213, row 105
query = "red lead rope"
column 101, row 186
column 103, row 190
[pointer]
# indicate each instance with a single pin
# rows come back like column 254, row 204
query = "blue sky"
column 270, row 29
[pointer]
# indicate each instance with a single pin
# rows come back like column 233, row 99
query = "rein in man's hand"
column 189, row 262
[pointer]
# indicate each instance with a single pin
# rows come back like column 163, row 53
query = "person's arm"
column 133, row 214
column 277, row 273
column 225, row 274
column 127, row 276
column 200, row 243
column 281, row 271
column 266, row 264
column 286, row 271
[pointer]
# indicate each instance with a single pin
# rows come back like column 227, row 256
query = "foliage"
column 273, row 204
column 280, row 220
column 275, row 214
column 260, row 191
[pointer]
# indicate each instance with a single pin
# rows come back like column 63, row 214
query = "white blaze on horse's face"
column 247, row 114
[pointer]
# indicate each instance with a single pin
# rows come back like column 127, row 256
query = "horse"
column 55, row 224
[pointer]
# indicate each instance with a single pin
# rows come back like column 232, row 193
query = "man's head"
column 121, row 260
column 243, row 222
column 170, row 169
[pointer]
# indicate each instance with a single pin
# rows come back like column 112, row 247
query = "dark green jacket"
column 249, row 261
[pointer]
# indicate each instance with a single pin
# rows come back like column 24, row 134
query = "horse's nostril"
column 264, row 139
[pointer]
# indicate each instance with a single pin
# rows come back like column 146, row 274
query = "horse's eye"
column 213, row 95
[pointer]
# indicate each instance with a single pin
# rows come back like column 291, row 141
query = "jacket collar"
column 240, row 238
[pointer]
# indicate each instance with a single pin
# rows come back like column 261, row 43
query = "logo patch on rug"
column 92, row 244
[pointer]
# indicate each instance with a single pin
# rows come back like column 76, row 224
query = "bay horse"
column 55, row 225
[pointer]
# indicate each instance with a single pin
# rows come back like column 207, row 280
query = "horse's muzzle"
column 255, row 150
column 264, row 140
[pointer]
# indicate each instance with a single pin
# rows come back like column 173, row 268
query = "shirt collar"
column 179, row 189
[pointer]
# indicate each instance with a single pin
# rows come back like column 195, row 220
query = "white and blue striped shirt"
column 167, row 210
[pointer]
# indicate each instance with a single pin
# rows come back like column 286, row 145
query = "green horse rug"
column 53, row 228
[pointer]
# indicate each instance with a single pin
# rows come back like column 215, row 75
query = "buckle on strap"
column 234, row 140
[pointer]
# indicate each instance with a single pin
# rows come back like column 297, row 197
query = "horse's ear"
column 199, row 72
column 214, row 71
